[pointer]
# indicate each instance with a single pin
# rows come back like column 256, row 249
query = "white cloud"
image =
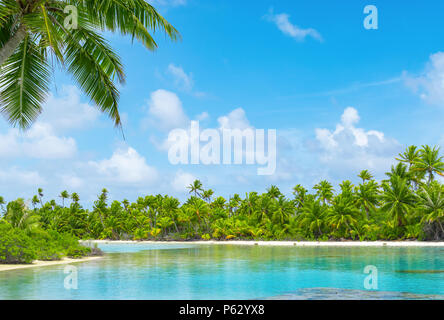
column 15, row 176
column 350, row 117
column 351, row 148
column 203, row 116
column 126, row 166
column 44, row 139
column 66, row 111
column 283, row 23
column 165, row 111
column 9, row 145
column 72, row 182
column 430, row 86
column 39, row 142
column 181, row 79
column 182, row 180
column 236, row 119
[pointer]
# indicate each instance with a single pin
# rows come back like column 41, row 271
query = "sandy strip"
column 288, row 243
column 37, row 263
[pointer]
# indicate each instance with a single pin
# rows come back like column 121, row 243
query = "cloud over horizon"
column 350, row 148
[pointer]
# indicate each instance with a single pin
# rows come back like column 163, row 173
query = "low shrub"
column 78, row 252
column 15, row 246
column 22, row 247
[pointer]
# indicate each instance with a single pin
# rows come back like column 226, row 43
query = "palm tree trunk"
column 8, row 49
column 440, row 225
column 430, row 177
column 175, row 226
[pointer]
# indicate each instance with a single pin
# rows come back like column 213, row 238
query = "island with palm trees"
column 35, row 36
column 408, row 205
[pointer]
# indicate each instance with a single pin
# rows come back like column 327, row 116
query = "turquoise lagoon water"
column 172, row 271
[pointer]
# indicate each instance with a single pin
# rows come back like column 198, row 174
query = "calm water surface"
column 171, row 271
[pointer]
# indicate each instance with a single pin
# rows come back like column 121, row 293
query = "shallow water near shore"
column 181, row 271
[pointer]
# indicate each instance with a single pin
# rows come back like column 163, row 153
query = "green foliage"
column 23, row 245
column 409, row 205
column 78, row 252
column 34, row 38
column 15, row 246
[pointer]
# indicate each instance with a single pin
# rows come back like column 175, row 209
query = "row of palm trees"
column 408, row 204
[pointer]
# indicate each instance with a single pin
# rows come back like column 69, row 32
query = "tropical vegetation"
column 408, row 204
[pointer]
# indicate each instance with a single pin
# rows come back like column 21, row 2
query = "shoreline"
column 283, row 243
column 38, row 263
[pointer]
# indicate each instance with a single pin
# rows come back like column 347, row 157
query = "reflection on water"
column 171, row 271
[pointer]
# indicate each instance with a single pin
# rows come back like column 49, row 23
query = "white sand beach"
column 287, row 243
column 37, row 263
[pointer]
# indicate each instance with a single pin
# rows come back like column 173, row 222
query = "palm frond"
column 129, row 17
column 93, row 65
column 8, row 8
column 24, row 82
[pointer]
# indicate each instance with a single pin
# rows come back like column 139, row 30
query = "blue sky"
column 342, row 99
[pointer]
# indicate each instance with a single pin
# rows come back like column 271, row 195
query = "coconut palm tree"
column 398, row 199
column 219, row 202
column 2, row 203
column 410, row 156
column 100, row 206
column 367, row 196
column 401, row 171
column 274, row 192
column 37, row 34
column 64, row 195
column 75, row 197
column 126, row 204
column 324, row 191
column 34, row 201
column 365, row 175
column 198, row 208
column 347, row 188
column 432, row 202
column 171, row 207
column 342, row 216
column 207, row 194
column 40, row 194
column 430, row 162
column 312, row 217
column 284, row 209
column 299, row 193
column 234, row 203
column 18, row 215
column 196, row 187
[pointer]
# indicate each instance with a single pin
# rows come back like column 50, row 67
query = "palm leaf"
column 24, row 81
column 129, row 17
column 8, row 8
column 93, row 65
column 51, row 33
